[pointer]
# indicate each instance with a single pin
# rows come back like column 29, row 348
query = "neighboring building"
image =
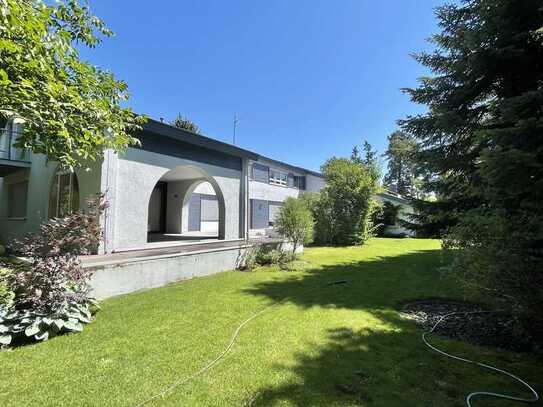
column 177, row 186
column 403, row 214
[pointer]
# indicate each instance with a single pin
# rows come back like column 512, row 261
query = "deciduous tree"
column 295, row 222
column 72, row 109
column 346, row 203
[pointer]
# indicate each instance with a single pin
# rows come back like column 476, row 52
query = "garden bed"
column 471, row 323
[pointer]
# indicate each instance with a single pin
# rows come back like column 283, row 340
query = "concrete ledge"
column 114, row 277
column 130, row 276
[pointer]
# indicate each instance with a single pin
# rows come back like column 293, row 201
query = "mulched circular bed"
column 499, row 329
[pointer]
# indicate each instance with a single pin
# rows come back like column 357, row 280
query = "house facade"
column 175, row 187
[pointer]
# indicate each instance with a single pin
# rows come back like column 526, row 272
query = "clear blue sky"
column 308, row 79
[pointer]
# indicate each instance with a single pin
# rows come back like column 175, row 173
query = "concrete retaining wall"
column 128, row 276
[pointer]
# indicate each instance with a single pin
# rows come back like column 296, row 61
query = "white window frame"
column 278, row 177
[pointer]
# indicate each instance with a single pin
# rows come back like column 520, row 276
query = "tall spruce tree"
column 481, row 144
column 367, row 158
column 400, row 155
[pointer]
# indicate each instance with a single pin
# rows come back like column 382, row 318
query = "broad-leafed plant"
column 51, row 289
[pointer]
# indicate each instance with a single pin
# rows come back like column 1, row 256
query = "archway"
column 186, row 204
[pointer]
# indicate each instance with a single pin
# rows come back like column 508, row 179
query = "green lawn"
column 339, row 345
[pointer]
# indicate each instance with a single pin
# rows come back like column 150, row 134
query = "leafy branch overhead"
column 72, row 110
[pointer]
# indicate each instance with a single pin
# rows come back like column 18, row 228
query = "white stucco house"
column 177, row 187
column 180, row 205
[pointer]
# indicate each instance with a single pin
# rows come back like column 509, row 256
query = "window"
column 64, row 198
column 278, row 178
column 273, row 212
column 17, row 197
column 259, row 214
column 299, row 182
column 260, row 173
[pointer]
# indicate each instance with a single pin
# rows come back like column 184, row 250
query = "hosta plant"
column 21, row 326
column 50, row 291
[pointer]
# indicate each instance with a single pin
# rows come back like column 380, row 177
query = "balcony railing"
column 7, row 149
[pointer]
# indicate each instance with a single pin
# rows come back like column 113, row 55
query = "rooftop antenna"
column 236, row 121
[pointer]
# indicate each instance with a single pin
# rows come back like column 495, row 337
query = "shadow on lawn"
column 359, row 365
column 376, row 283
column 365, row 368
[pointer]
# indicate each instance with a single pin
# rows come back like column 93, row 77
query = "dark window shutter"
column 261, row 173
column 290, row 180
column 302, row 183
column 259, row 214
column 299, row 182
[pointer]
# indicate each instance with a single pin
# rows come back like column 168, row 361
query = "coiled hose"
column 469, row 397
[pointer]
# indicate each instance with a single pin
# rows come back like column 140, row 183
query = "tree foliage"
column 181, row 122
column 401, row 166
column 344, row 210
column 368, row 158
column 481, row 144
column 71, row 108
column 295, row 222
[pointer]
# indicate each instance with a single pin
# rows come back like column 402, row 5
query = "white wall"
column 269, row 192
column 40, row 179
column 138, row 172
column 204, row 188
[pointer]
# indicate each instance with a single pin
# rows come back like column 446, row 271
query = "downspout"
column 246, row 199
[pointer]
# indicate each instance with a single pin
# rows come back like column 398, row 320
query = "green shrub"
column 6, row 295
column 266, row 257
column 386, row 215
column 345, row 208
column 295, row 222
column 51, row 291
column 247, row 261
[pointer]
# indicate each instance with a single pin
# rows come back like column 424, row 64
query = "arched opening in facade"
column 186, row 204
column 64, row 194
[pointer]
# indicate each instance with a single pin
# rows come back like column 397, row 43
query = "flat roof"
column 168, row 130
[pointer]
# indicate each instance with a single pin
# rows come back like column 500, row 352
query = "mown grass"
column 325, row 345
